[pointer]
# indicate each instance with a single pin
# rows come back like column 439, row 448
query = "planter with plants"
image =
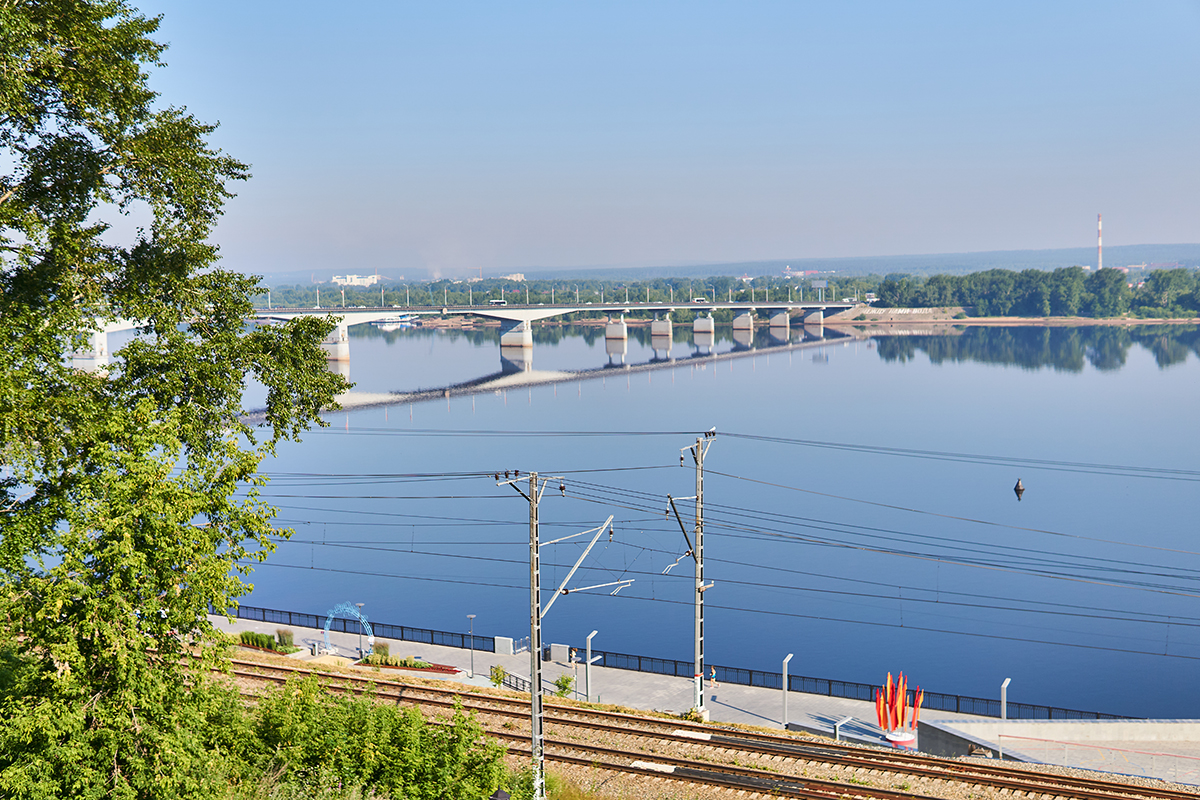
column 408, row 662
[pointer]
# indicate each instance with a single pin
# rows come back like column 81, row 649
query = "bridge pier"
column 744, row 322
column 704, row 324
column 814, row 317
column 661, row 337
column 337, row 344
column 616, row 329
column 616, row 347
column 515, row 333
column 515, row 359
column 96, row 357
column 781, row 319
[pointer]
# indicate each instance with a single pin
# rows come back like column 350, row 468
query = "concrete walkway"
column 640, row 690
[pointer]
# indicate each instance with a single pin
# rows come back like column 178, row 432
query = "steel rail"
column 680, row 732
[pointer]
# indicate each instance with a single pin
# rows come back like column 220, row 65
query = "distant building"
column 516, row 276
column 356, row 280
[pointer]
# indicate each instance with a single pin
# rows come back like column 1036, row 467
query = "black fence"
column 382, row 630
column 934, row 701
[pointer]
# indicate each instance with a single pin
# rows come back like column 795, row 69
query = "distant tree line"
column 1064, row 292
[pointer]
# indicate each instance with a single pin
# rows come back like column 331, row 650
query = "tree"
column 1107, row 293
column 128, row 502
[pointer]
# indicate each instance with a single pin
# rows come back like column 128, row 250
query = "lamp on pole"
column 587, row 666
column 785, row 688
column 360, row 607
column 471, row 620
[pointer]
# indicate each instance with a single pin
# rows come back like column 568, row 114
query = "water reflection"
column 641, row 350
column 1066, row 349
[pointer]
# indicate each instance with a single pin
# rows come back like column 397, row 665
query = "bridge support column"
column 515, row 333
column 744, row 322
column 781, row 319
column 702, row 333
column 616, row 329
column 661, row 337
column 337, row 343
column 96, row 356
column 616, row 347
column 515, row 359
column 814, row 317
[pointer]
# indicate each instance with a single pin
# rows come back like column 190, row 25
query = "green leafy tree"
column 1106, row 293
column 127, row 500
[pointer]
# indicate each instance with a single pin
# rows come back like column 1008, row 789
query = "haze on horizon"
column 453, row 137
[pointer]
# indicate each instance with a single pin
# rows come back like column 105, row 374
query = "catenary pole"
column 535, row 644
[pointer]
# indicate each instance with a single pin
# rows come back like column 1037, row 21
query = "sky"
column 449, row 138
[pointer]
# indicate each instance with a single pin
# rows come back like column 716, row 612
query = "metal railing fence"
column 934, row 701
column 383, row 630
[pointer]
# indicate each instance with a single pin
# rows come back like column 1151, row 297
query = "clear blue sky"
column 451, row 136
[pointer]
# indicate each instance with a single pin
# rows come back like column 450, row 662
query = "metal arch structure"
column 348, row 610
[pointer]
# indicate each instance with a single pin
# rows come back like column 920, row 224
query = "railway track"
column 709, row 754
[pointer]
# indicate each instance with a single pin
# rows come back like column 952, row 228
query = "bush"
column 267, row 642
column 381, row 648
column 380, row 660
column 321, row 742
column 285, row 637
column 563, row 685
column 263, row 640
column 497, row 675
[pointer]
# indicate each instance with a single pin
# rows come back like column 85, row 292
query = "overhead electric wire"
column 759, row 533
column 772, row 612
column 377, row 547
column 949, row 516
column 1158, row 473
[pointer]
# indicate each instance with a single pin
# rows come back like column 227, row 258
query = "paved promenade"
column 641, row 690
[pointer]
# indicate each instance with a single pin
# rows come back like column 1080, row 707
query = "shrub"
column 497, row 675
column 320, row 742
column 381, row 648
column 563, row 685
column 380, row 660
column 285, row 637
column 267, row 642
column 253, row 639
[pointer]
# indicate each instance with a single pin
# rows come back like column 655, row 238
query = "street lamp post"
column 785, row 688
column 471, row 618
column 1004, row 698
column 360, row 607
column 587, row 666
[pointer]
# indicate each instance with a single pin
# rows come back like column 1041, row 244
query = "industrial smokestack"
column 1099, row 242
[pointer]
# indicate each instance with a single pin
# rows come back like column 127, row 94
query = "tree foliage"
column 127, row 493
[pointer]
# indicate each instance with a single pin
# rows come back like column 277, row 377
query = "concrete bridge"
column 516, row 324
column 516, row 321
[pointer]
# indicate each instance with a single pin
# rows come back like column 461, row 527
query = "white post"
column 1004, row 698
column 471, row 618
column 785, row 688
column 587, row 666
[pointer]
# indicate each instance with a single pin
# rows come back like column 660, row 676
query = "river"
column 859, row 501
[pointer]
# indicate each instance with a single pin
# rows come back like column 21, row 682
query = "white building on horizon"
column 356, row 280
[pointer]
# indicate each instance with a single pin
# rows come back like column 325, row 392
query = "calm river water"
column 859, row 503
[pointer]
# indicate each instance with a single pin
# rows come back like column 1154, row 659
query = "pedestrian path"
column 749, row 705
